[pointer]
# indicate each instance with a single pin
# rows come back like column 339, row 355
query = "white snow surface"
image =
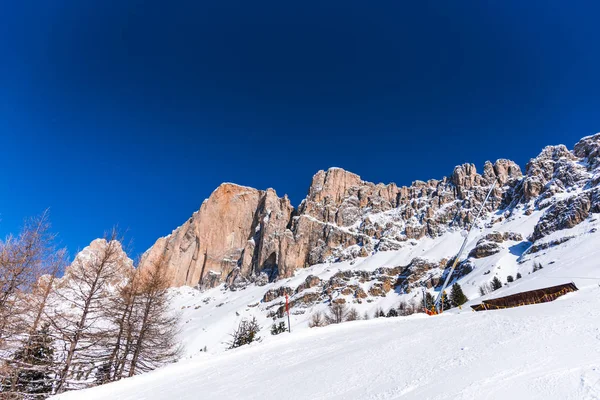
column 544, row 351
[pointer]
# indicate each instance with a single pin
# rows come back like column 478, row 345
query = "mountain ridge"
column 243, row 234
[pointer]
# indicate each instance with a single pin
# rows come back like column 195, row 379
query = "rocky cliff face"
column 242, row 234
column 236, row 233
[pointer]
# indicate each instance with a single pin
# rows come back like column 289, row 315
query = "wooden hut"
column 524, row 298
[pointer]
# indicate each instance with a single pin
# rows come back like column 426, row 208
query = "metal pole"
column 462, row 248
column 287, row 308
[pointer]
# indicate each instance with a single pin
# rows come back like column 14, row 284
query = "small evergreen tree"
column 276, row 329
column 457, row 297
column 519, row 275
column 392, row 313
column 34, row 374
column 246, row 333
column 446, row 301
column 366, row 316
column 509, row 279
column 496, row 284
column 429, row 300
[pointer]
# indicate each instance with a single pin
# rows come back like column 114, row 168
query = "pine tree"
column 496, row 284
column 429, row 300
column 276, row 329
column 447, row 304
column 519, row 275
column 246, row 333
column 509, row 279
column 34, row 374
column 457, row 297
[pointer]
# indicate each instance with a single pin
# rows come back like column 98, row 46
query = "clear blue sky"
column 132, row 112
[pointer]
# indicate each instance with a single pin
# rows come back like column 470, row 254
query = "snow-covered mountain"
column 374, row 246
column 543, row 351
column 243, row 235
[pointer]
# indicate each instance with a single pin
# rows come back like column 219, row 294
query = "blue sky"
column 132, row 112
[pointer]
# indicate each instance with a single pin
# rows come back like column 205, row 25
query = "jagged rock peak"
column 333, row 182
column 589, row 148
column 111, row 252
column 241, row 233
column 226, row 236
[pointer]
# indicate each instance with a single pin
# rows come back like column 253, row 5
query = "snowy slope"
column 546, row 351
column 209, row 317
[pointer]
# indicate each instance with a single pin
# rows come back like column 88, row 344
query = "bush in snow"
column 403, row 308
column 337, row 314
column 509, row 279
column 407, row 308
column 519, row 275
column 392, row 313
column 317, row 320
column 246, row 333
column 352, row 315
column 276, row 329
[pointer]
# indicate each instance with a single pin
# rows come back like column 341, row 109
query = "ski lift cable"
column 438, row 305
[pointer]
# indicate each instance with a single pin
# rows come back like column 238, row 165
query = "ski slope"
column 545, row 351
column 209, row 317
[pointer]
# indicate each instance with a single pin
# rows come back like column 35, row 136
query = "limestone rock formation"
column 576, row 176
column 242, row 234
column 237, row 230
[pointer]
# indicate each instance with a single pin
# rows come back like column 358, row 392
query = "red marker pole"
column 287, row 308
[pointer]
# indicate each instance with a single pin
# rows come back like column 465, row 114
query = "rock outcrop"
column 117, row 264
column 236, row 233
column 242, row 234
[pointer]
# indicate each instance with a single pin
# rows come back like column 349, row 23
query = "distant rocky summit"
column 241, row 234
